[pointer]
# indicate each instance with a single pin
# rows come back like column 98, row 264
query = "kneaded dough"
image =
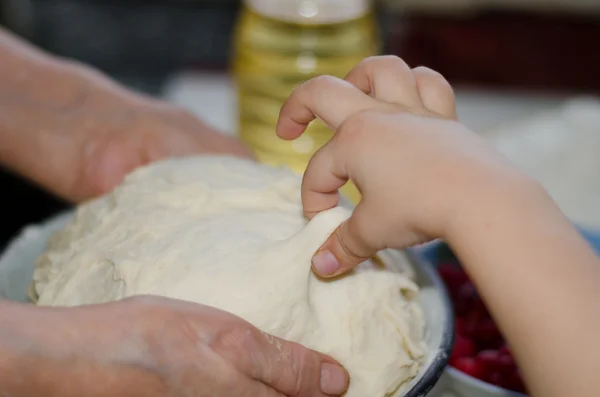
column 230, row 233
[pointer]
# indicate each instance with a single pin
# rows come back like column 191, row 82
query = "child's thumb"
column 346, row 248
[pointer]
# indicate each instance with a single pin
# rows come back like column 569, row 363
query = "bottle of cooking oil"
column 278, row 45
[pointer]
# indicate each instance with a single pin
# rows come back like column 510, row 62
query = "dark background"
column 141, row 43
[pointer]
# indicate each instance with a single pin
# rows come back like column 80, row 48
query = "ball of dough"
column 230, row 233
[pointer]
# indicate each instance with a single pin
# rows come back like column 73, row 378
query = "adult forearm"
column 42, row 354
column 540, row 280
column 20, row 357
column 38, row 93
column 32, row 76
column 45, row 104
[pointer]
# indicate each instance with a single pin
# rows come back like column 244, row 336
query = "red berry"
column 448, row 270
column 514, row 382
column 469, row 366
column 453, row 276
column 488, row 360
column 480, row 309
column 506, row 363
column 505, row 351
column 459, row 327
column 495, row 378
column 487, row 335
column 466, row 298
column 469, row 327
column 463, row 347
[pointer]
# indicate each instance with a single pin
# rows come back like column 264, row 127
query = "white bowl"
column 17, row 264
column 467, row 386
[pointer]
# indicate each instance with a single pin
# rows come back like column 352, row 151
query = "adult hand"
column 152, row 346
column 88, row 147
column 130, row 135
column 77, row 133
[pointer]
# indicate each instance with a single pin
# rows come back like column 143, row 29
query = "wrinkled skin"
column 156, row 347
column 146, row 134
column 76, row 133
column 84, row 149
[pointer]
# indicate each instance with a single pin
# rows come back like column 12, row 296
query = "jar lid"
column 311, row 11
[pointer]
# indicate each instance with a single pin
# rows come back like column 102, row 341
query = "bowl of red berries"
column 481, row 363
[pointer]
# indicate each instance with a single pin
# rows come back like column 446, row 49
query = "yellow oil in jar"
column 271, row 58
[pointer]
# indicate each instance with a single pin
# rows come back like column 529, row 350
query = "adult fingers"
column 386, row 78
column 331, row 99
column 285, row 366
column 243, row 386
column 436, row 93
column 224, row 379
column 221, row 144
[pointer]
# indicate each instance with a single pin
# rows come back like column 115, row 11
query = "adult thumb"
column 290, row 368
column 350, row 245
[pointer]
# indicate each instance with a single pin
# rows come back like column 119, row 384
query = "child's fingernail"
column 325, row 263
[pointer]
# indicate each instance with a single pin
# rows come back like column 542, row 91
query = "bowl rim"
column 440, row 362
column 478, row 383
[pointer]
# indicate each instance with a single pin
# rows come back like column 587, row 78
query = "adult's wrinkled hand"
column 77, row 134
column 152, row 346
column 151, row 131
column 110, row 139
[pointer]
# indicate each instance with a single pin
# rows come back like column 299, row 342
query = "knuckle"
column 433, row 79
column 393, row 61
column 324, row 79
column 385, row 61
column 305, row 372
column 357, row 126
column 425, row 71
column 237, row 339
column 320, row 83
column 300, row 383
column 349, row 247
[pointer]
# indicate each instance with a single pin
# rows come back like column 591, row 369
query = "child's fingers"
column 330, row 167
column 350, row 245
column 324, row 175
column 436, row 93
column 356, row 239
column 331, row 99
column 388, row 79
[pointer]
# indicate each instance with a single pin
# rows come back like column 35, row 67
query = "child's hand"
column 398, row 140
column 423, row 175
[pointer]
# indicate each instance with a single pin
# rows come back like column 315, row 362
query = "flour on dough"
column 230, row 233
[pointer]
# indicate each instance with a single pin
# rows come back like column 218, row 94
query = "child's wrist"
column 515, row 196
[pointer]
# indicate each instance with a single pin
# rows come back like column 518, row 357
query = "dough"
column 230, row 233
